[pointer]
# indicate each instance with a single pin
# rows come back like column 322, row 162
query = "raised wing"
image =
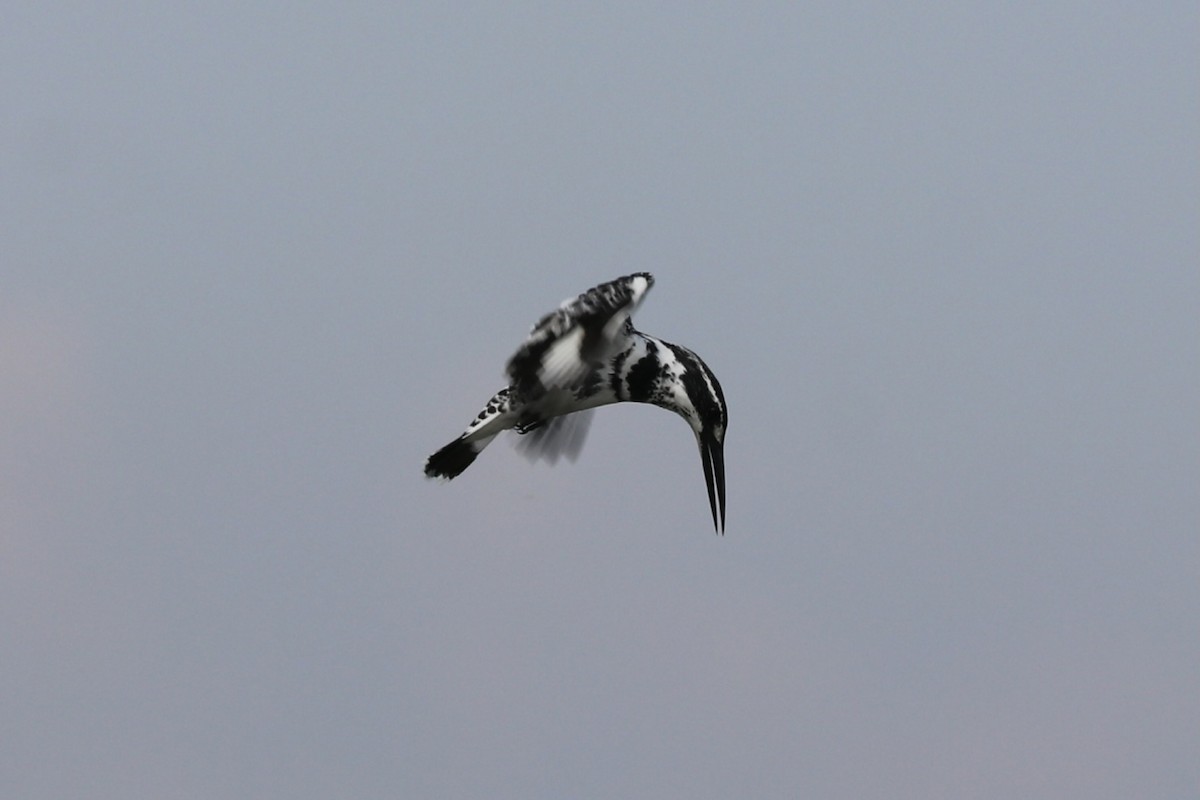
column 568, row 345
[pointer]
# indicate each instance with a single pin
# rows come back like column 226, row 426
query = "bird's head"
column 699, row 400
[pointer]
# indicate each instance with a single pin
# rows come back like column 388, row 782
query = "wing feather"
column 567, row 345
column 556, row 437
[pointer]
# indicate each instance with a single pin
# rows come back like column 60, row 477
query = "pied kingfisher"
column 587, row 354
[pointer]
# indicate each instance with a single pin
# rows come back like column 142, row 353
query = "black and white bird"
column 587, row 354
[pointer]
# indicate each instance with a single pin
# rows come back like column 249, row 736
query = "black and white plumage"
column 588, row 354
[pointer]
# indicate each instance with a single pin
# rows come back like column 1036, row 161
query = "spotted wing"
column 568, row 345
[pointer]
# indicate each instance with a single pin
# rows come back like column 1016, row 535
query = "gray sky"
column 259, row 262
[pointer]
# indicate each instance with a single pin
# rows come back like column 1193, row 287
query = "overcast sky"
column 259, row 260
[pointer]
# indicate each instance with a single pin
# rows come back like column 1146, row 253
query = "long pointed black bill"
column 712, row 455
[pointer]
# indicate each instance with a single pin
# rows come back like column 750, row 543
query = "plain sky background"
column 259, row 260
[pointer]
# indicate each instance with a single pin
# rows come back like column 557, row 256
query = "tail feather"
column 451, row 460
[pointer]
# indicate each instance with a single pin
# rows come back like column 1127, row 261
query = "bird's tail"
column 451, row 460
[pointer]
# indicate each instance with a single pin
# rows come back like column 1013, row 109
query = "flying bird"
column 587, row 354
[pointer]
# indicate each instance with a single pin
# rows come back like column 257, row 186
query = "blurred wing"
column 567, row 345
column 557, row 437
